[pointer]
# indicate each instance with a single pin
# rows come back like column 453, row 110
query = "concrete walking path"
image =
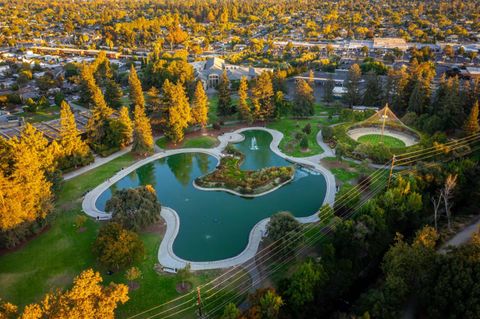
column 99, row 161
column 166, row 256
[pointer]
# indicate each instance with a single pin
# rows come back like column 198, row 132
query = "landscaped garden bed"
column 228, row 175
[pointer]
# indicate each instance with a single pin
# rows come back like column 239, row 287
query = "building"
column 390, row 44
column 210, row 71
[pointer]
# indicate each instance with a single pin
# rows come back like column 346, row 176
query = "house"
column 210, row 71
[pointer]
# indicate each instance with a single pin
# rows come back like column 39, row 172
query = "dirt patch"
column 60, row 280
column 183, row 288
column 81, row 229
column 336, row 164
column 133, row 285
column 157, row 228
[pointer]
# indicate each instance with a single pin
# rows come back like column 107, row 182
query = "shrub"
column 304, row 142
column 327, row 133
column 216, row 126
column 307, row 129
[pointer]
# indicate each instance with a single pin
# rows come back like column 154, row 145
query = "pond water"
column 216, row 225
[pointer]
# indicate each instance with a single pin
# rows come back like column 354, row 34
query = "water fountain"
column 253, row 145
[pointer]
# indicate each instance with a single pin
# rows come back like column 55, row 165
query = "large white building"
column 210, row 71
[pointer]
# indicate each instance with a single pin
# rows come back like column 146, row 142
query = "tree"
column 135, row 208
column 117, row 247
column 283, row 229
column 154, row 102
column 243, row 106
column 113, row 94
column 136, row 93
column 25, row 190
column 262, row 97
column 471, row 125
column 373, row 90
column 328, row 89
column 230, row 312
column 133, row 274
column 142, row 132
column 304, row 100
column 200, row 106
column 184, row 273
column 224, row 99
column 123, row 127
column 353, row 95
column 178, row 110
column 98, row 123
column 447, row 195
column 270, row 304
column 86, row 299
column 75, row 152
column 301, row 286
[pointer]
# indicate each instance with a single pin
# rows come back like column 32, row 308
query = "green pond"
column 215, row 225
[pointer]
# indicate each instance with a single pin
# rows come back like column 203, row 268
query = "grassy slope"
column 55, row 257
column 289, row 126
column 389, row 141
column 194, row 142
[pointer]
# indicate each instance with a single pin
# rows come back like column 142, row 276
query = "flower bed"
column 228, row 175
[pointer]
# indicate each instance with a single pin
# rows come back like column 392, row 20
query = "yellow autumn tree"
column 88, row 298
column 243, row 106
column 471, row 125
column 25, row 195
column 136, row 92
column 200, row 106
column 178, row 110
column 142, row 132
column 125, row 127
column 74, row 151
column 98, row 123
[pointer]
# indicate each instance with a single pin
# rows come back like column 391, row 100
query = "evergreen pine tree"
column 74, row 151
column 353, row 96
column 154, row 101
column 136, row 93
column 471, row 125
column 178, row 110
column 142, row 132
column 243, row 106
column 113, row 94
column 304, row 100
column 124, row 127
column 373, row 90
column 262, row 97
column 224, row 98
column 200, row 106
column 328, row 89
column 97, row 126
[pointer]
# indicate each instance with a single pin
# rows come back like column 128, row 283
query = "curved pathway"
column 166, row 256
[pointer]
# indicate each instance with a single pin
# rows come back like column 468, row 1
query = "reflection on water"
column 216, row 225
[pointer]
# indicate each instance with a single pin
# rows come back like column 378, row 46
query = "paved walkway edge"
column 166, row 256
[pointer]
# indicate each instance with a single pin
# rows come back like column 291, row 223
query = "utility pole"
column 391, row 170
column 384, row 116
column 199, row 304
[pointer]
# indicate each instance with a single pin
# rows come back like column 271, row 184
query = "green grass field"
column 389, row 141
column 46, row 114
column 55, row 257
column 289, row 145
column 194, row 142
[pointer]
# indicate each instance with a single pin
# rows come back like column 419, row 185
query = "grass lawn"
column 289, row 145
column 213, row 106
column 389, row 141
column 193, row 142
column 46, row 114
column 52, row 259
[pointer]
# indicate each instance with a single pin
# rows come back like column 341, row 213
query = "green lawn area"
column 213, row 106
column 289, row 145
column 194, row 142
column 46, row 114
column 52, row 259
column 389, row 141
